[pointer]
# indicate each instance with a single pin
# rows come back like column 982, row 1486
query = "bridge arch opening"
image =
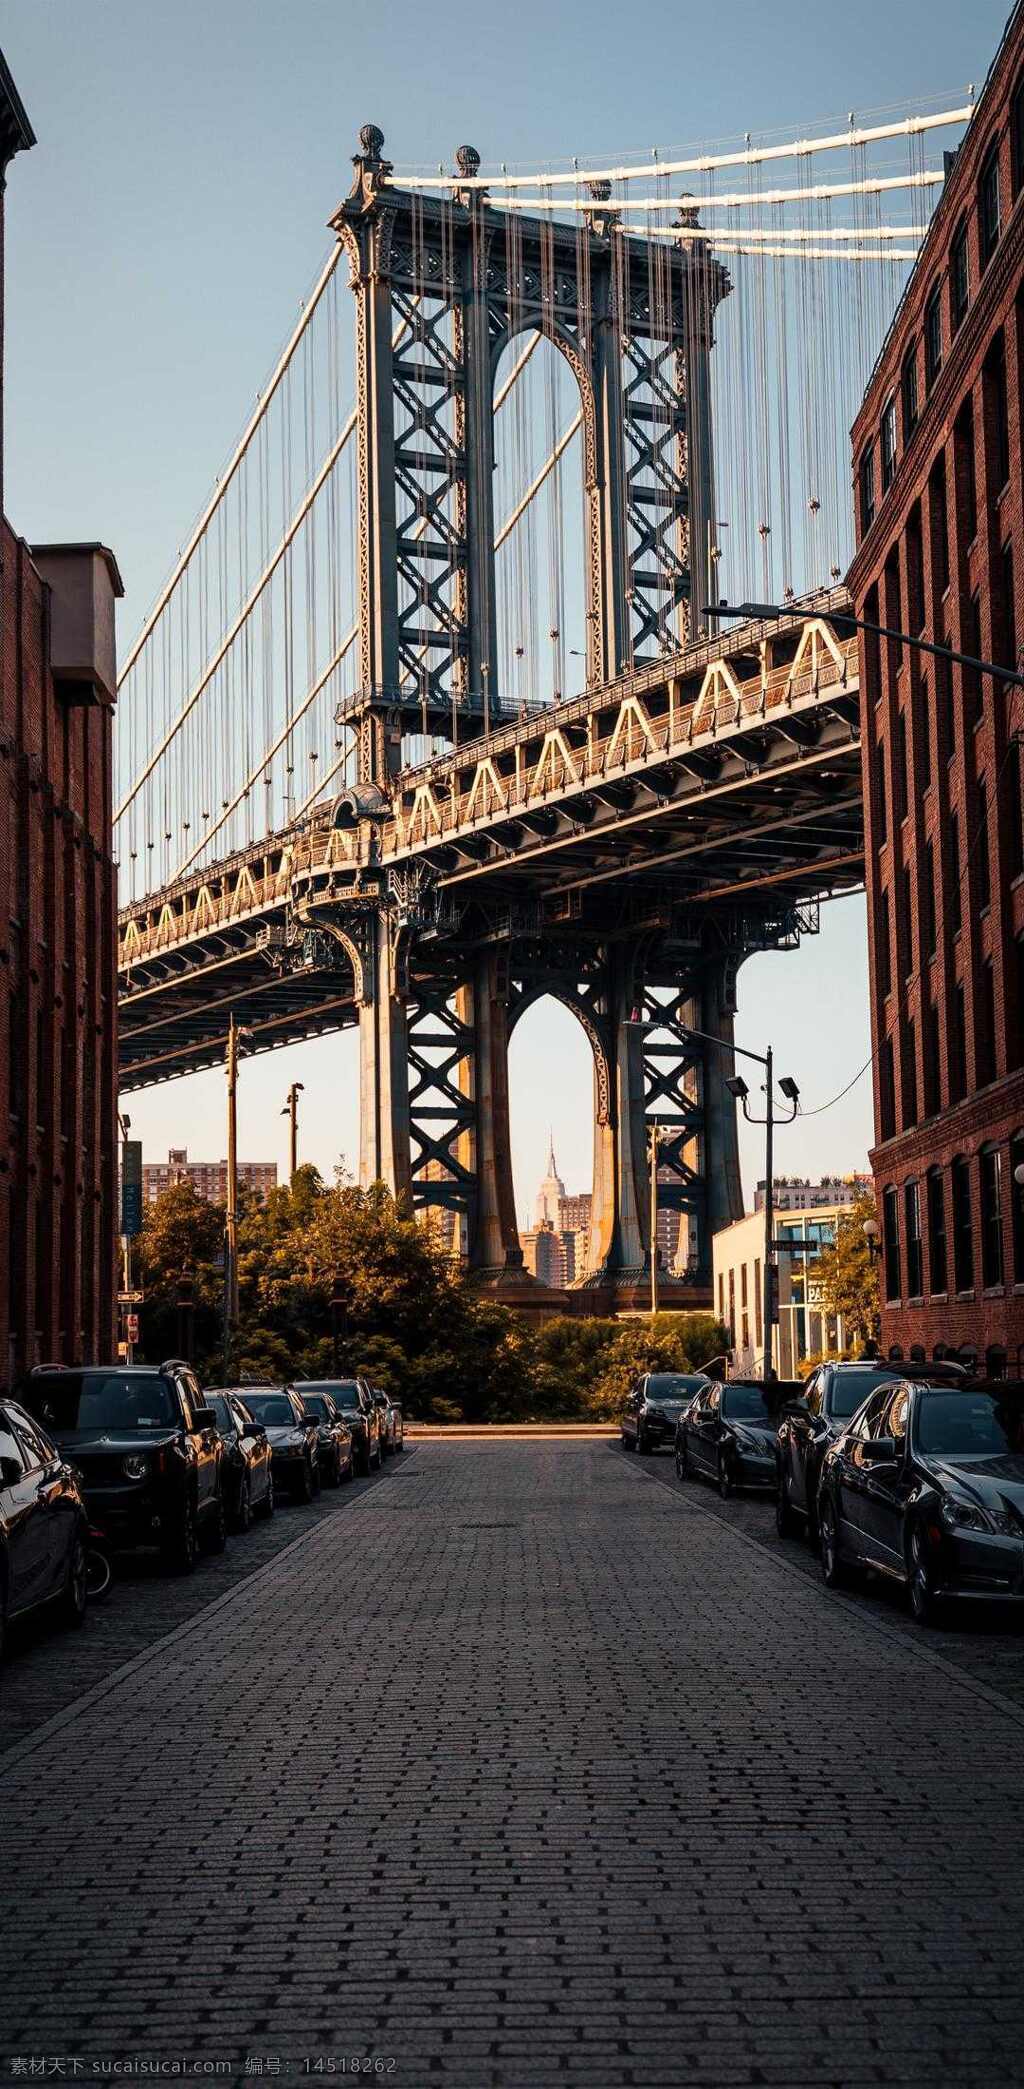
column 553, row 1099
column 540, row 525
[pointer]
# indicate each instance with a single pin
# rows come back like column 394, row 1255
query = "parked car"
column 391, row 1427
column 146, row 1448
column 43, row 1523
column 829, row 1400
column 247, row 1475
column 334, row 1449
column 654, row 1407
column 352, row 1397
column 926, row 1486
column 397, row 1423
column 294, row 1439
column 728, row 1434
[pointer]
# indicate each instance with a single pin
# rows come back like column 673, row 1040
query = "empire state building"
column 545, row 1210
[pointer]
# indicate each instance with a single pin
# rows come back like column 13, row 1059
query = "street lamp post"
column 655, row 1142
column 125, row 1125
column 235, row 1035
column 291, row 1111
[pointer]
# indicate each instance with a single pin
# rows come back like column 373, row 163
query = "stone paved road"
column 525, row 1770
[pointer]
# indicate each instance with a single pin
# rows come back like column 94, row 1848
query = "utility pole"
column 291, row 1111
column 231, row 1214
column 655, row 1143
column 770, row 1281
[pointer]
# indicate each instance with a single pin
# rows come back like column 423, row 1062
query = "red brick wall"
column 58, row 1006
column 956, row 798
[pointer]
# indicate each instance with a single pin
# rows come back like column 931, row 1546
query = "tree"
column 847, row 1274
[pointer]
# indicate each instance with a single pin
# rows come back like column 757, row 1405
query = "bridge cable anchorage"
column 701, row 163
column 225, row 478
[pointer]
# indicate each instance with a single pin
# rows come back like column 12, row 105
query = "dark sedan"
column 654, row 1407
column 42, row 1523
column 147, row 1450
column 334, row 1435
column 926, row 1486
column 294, row 1439
column 247, row 1473
column 829, row 1401
column 728, row 1434
column 352, row 1397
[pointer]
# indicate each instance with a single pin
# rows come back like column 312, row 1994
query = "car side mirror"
column 10, row 1472
column 204, row 1418
column 879, row 1450
column 253, row 1429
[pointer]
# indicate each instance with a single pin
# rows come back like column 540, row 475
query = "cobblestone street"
column 525, row 1765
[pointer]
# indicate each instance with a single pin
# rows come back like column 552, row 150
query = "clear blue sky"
column 159, row 239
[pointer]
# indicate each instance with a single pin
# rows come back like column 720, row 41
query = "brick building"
column 937, row 479
column 209, row 1179
column 58, row 1004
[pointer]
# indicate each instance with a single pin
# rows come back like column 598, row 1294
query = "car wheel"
column 335, row 1470
column 215, row 1535
column 923, row 1602
column 642, row 1444
column 304, row 1489
column 269, row 1503
column 181, row 1547
column 682, row 1461
column 98, row 1574
column 243, row 1513
column 785, row 1519
column 832, row 1570
column 3, row 1616
column 76, row 1587
column 725, row 1480
column 350, row 1470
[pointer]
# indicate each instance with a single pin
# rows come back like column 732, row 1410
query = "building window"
column 939, row 524
column 991, row 1217
column 884, row 951
column 912, row 1219
column 958, row 1045
column 932, row 1061
column 997, row 417
column 933, row 336
column 867, row 491
column 886, row 1089
column 1015, row 788
column 970, row 642
column 963, row 1234
column 880, row 800
column 908, row 390
column 888, row 444
column 1017, row 137
column 988, row 206
column 985, row 1040
column 899, row 781
column 945, row 706
column 928, row 907
column 937, row 1271
column 1016, row 1039
column 1017, row 1204
column 1008, row 609
column 966, row 475
column 959, row 276
column 757, row 1300
column 906, row 925
column 955, row 875
column 984, row 867
column 908, row 1059
column 891, row 1243
column 916, row 611
column 924, row 736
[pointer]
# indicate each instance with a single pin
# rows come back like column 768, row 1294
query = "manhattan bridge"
column 432, row 717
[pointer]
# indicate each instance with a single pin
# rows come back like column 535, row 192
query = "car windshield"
column 850, row 1389
column 744, row 1403
column 673, row 1391
column 103, row 1400
column 346, row 1396
column 275, row 1408
column 968, row 1425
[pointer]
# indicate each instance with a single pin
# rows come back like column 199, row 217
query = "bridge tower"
column 442, row 285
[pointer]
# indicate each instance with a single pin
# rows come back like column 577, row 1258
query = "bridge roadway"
column 525, row 1766
column 721, row 782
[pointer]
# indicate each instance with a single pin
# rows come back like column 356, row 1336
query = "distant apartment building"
column 806, row 1328
column 798, row 1193
column 209, row 1179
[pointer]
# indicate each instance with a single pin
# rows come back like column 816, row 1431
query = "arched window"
column 963, row 1232
column 891, row 1241
column 995, row 1361
column 912, row 1215
column 1017, row 1204
column 991, row 1217
column 938, row 1271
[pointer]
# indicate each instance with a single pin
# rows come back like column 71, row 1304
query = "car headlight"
column 966, row 1515
column 135, row 1466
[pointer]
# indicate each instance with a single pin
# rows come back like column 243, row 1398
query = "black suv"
column 146, row 1448
column 826, row 1406
column 353, row 1398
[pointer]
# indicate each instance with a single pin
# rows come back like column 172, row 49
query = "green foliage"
column 848, row 1274
column 338, row 1280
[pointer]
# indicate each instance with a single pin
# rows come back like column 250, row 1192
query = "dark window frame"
column 991, row 1180
column 932, row 336
column 959, row 276
column 938, row 1248
column 989, row 206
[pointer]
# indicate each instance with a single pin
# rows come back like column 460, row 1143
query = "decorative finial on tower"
column 600, row 219
column 467, row 160
column 371, row 171
column 600, row 190
column 371, row 141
